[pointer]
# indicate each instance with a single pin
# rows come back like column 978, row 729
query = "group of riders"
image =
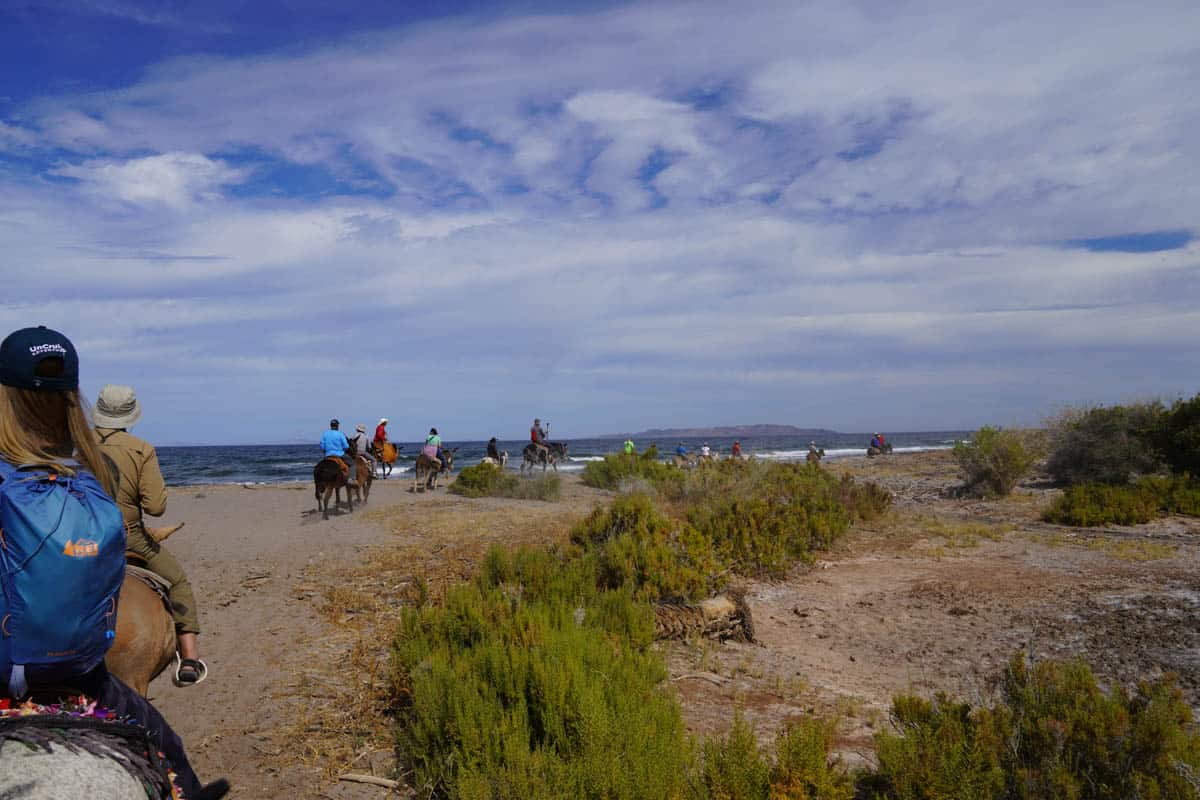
column 72, row 504
column 343, row 451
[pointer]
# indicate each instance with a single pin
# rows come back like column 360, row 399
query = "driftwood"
column 724, row 617
column 354, row 777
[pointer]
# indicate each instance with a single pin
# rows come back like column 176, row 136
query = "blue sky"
column 861, row 216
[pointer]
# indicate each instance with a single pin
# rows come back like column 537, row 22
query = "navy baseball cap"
column 24, row 355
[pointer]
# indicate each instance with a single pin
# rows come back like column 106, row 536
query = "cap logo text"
column 40, row 349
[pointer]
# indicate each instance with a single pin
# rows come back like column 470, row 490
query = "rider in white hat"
column 141, row 490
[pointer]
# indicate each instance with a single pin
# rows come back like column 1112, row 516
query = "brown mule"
column 424, row 469
column 145, row 638
column 364, row 476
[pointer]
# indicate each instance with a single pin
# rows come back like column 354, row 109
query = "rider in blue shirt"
column 681, row 451
column 334, row 443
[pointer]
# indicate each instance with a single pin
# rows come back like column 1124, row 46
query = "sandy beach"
column 937, row 595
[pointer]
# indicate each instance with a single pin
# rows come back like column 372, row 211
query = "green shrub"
column 864, row 501
column 734, row 767
column 940, row 751
column 481, row 480
column 608, row 474
column 637, row 548
column 1104, row 444
column 1177, row 436
column 1091, row 504
column 1053, row 733
column 994, row 461
column 804, row 768
column 1178, row 494
column 529, row 682
column 488, row 480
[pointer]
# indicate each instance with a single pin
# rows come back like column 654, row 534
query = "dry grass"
column 1133, row 549
column 906, row 529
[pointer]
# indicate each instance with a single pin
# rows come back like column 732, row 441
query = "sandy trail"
column 246, row 551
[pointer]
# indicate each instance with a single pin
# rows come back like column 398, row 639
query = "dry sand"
column 937, row 596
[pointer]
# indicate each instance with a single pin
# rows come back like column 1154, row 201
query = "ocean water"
column 286, row 463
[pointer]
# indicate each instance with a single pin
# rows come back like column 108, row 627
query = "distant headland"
column 725, row 432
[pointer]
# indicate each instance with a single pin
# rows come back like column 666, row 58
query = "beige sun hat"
column 361, row 428
column 116, row 407
column 383, row 421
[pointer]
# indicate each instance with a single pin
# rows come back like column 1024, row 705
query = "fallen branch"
column 354, row 777
column 716, row 680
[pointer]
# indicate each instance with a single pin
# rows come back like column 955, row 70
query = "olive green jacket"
column 141, row 488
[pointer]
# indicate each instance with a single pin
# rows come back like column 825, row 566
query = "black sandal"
column 189, row 671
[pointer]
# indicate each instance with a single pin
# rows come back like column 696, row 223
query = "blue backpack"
column 62, row 561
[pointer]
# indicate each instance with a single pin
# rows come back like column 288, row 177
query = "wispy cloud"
column 660, row 201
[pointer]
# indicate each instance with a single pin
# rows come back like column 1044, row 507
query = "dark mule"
column 880, row 451
column 532, row 455
column 815, row 456
column 429, row 468
column 330, row 477
column 364, row 475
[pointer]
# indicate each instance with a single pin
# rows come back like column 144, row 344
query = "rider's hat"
column 361, row 429
column 383, row 420
column 22, row 357
column 333, row 423
column 116, row 407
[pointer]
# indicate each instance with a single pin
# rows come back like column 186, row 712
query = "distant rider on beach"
column 537, row 436
column 363, row 447
column 433, row 448
column 380, row 436
column 334, row 444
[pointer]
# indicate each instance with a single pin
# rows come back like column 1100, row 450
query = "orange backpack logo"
column 81, row 548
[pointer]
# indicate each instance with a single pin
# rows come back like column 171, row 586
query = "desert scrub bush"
column 940, row 750
column 1104, row 444
column 863, row 501
column 994, row 461
column 1053, row 733
column 805, row 768
column 1177, row 436
column 481, row 480
column 657, row 558
column 736, row 768
column 1087, row 505
column 488, row 480
column 1091, row 504
column 783, row 514
column 608, row 474
column 530, row 682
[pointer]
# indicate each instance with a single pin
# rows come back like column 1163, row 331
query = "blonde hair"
column 48, row 427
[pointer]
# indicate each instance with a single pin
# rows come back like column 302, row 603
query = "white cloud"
column 175, row 180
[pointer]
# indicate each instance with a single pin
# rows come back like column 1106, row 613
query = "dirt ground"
column 937, row 596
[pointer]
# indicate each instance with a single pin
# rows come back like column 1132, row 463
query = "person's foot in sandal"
column 190, row 671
